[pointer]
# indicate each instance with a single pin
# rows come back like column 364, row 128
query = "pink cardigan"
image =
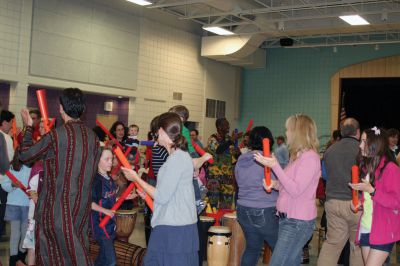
column 298, row 185
column 386, row 205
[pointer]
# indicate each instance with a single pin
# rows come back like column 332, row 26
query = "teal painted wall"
column 298, row 81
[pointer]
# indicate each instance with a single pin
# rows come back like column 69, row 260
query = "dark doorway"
column 372, row 101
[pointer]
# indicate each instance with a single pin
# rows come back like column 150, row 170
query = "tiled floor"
column 138, row 238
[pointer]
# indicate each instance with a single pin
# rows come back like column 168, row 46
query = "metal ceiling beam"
column 343, row 44
column 178, row 3
column 342, row 39
column 322, row 16
column 291, row 8
column 181, row 15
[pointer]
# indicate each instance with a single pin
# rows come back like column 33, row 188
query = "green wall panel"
column 298, row 81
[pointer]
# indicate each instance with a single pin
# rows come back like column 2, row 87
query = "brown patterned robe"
column 71, row 154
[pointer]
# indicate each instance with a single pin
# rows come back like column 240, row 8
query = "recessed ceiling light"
column 218, row 30
column 354, row 20
column 140, row 2
column 120, row 97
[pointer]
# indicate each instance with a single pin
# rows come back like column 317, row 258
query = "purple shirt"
column 249, row 177
column 298, row 185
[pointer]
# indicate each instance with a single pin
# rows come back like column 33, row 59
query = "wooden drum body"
column 127, row 254
column 205, row 223
column 218, row 246
column 238, row 241
column 125, row 223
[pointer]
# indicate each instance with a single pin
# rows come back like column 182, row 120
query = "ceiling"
column 310, row 23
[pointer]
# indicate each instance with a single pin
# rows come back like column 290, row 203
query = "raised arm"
column 30, row 152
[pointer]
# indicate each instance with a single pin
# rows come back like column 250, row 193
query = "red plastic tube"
column 116, row 168
column 267, row 170
column 41, row 96
column 108, row 133
column 354, row 180
column 250, row 125
column 14, row 133
column 200, row 151
column 121, row 157
column 16, row 181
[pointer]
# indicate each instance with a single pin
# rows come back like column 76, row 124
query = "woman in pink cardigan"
column 297, row 185
column 379, row 226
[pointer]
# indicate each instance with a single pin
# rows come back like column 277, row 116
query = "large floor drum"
column 127, row 253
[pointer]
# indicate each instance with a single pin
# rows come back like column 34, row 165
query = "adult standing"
column 194, row 136
column 342, row 221
column 256, row 209
column 6, row 118
column 119, row 131
column 36, row 118
column 4, row 160
column 7, row 154
column 70, row 154
column 297, row 185
column 282, row 152
column 174, row 239
column 221, row 182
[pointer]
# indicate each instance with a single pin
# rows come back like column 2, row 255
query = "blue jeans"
column 293, row 235
column 106, row 256
column 258, row 225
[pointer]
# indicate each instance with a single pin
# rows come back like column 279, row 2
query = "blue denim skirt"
column 173, row 246
column 16, row 213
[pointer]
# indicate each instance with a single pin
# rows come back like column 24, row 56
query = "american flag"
column 342, row 115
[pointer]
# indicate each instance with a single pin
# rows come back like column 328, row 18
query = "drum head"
column 206, row 219
column 231, row 215
column 222, row 230
column 125, row 212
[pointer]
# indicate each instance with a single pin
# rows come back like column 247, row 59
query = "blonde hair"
column 304, row 135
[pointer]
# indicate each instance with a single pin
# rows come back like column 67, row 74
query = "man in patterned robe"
column 220, row 180
column 70, row 153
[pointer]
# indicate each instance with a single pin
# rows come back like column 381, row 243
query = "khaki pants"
column 342, row 226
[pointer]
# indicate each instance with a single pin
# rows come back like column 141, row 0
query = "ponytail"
column 180, row 143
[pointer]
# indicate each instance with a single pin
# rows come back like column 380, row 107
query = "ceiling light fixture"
column 218, row 30
column 354, row 20
column 140, row 2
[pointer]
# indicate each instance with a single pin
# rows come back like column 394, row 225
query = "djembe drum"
column 218, row 245
column 238, row 241
column 127, row 253
column 267, row 253
column 205, row 223
column 125, row 223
